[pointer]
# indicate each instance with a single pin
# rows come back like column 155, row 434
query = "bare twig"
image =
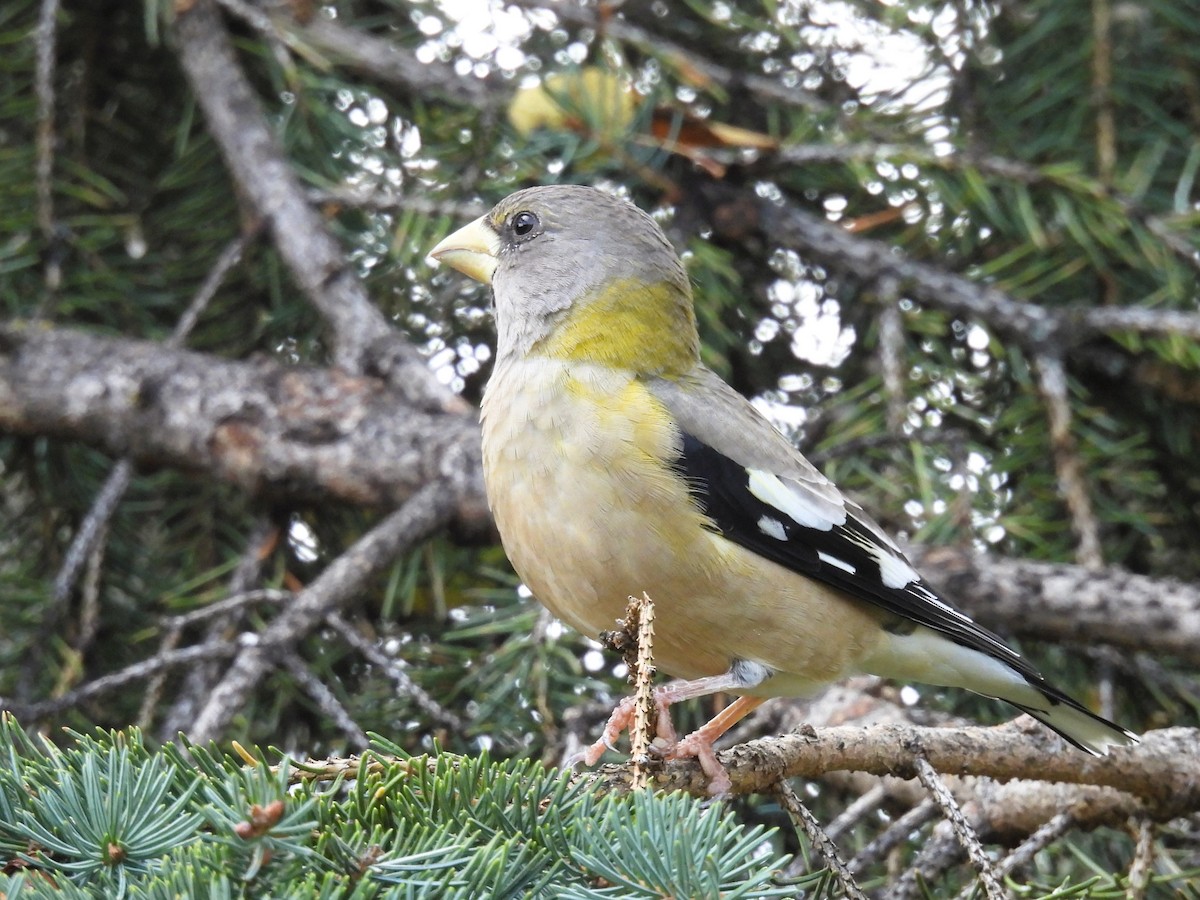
column 1102, row 96
column 93, row 525
column 940, row 852
column 963, row 830
column 154, row 687
column 863, row 806
column 849, row 817
column 89, row 613
column 325, row 699
column 46, row 39
column 896, row 834
column 223, row 618
column 891, row 348
column 1143, row 860
column 428, row 509
column 803, row 819
column 392, row 668
column 1052, row 384
column 382, row 199
column 235, row 602
column 1023, row 854
column 386, row 61
column 641, row 731
column 139, row 671
column 226, row 260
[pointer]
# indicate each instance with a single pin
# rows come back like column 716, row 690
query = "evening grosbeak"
column 617, row 464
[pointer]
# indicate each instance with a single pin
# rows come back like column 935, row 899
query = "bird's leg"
column 699, row 743
column 620, row 721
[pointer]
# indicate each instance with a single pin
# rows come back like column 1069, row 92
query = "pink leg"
column 698, row 744
column 622, row 718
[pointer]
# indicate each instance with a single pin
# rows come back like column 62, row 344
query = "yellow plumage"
column 618, row 465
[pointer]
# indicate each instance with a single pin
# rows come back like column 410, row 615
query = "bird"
column 617, row 464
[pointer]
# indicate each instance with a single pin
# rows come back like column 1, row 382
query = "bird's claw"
column 699, row 747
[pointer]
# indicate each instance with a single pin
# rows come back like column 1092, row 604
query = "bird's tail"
column 1077, row 724
column 991, row 669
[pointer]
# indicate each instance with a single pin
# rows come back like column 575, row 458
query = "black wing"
column 767, row 514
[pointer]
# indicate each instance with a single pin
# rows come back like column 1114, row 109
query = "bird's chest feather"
column 577, row 463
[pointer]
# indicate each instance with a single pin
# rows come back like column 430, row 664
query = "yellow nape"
column 646, row 329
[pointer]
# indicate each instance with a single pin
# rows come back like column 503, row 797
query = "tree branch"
column 305, row 433
column 1159, row 778
column 387, row 62
column 1069, row 603
column 1038, row 329
column 771, row 91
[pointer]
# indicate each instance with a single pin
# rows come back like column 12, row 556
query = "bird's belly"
column 590, row 514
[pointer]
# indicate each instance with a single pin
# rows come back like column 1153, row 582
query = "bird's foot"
column 620, row 721
column 699, row 746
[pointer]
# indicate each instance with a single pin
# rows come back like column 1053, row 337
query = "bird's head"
column 579, row 274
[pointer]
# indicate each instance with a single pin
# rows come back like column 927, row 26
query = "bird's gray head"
column 559, row 253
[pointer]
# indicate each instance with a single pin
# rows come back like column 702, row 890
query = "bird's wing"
column 759, row 492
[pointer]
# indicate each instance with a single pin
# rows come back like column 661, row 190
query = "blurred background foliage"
column 1047, row 148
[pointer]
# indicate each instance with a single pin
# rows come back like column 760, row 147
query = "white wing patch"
column 897, row 574
column 810, row 512
column 834, row 561
column 772, row 528
column 893, row 570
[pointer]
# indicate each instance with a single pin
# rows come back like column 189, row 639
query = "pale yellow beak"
column 474, row 250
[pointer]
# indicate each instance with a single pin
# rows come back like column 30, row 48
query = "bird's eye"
column 523, row 223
